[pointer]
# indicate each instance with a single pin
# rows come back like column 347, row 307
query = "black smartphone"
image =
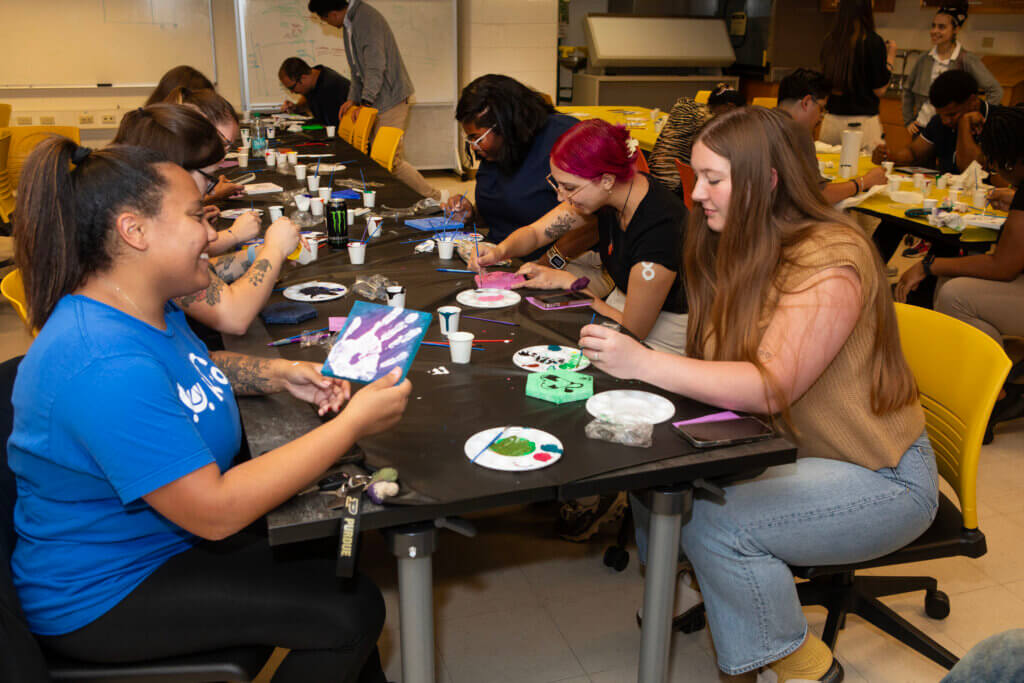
column 723, row 432
column 558, row 300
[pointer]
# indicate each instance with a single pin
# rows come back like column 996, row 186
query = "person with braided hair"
column 947, row 53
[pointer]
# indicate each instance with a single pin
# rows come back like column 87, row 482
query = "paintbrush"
column 492, row 442
column 295, row 338
column 363, row 178
column 445, row 345
column 455, row 270
column 488, row 320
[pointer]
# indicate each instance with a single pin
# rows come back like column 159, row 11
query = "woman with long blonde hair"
column 790, row 318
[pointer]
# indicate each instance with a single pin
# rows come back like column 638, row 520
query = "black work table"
column 426, row 447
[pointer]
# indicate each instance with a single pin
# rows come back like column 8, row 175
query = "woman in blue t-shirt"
column 639, row 240
column 129, row 514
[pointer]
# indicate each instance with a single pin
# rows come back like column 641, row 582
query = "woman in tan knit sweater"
column 790, row 317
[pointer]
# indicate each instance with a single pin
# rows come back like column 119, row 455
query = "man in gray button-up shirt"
column 378, row 74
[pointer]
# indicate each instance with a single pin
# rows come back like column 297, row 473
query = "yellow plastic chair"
column 702, row 96
column 766, row 102
column 959, row 372
column 5, row 115
column 6, row 186
column 25, row 138
column 13, row 289
column 346, row 128
column 385, row 146
column 364, row 124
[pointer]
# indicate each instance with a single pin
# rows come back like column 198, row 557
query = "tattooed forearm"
column 559, row 226
column 226, row 266
column 258, row 272
column 248, row 375
column 211, row 296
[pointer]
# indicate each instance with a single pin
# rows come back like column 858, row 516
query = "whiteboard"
column 616, row 40
column 85, row 43
column 270, row 31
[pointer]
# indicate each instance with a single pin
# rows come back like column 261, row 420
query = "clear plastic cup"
column 448, row 317
column 357, row 253
column 302, row 202
column 460, row 344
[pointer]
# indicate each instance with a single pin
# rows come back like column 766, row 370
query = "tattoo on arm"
column 258, row 272
column 211, row 296
column 559, row 226
column 223, row 266
column 248, row 375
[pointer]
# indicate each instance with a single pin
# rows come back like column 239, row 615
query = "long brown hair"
column 179, row 133
column 842, row 45
column 734, row 278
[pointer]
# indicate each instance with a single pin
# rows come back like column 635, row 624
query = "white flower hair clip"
column 631, row 145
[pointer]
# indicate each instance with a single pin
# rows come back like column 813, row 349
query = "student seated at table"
column 224, row 118
column 183, row 76
column 321, row 89
column 184, row 137
column 987, row 290
column 948, row 143
column 802, row 95
column 640, row 230
column 790, row 317
column 131, row 519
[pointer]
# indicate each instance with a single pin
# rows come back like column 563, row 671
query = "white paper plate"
column 518, row 450
column 235, row 213
column 625, row 404
column 488, row 298
column 548, row 357
column 980, row 221
column 296, row 293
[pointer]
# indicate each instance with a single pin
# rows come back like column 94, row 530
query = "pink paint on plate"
column 490, row 297
column 542, row 457
column 498, row 280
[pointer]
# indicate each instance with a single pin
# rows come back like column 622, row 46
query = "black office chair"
column 23, row 660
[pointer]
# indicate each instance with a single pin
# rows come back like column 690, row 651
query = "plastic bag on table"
column 356, row 183
column 427, row 206
column 373, row 287
column 626, row 433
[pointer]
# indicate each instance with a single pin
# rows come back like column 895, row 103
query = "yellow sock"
column 811, row 661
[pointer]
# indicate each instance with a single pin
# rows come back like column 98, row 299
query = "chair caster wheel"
column 936, row 604
column 616, row 557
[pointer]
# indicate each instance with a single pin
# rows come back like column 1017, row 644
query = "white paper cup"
column 275, row 212
column 445, row 249
column 460, row 344
column 243, row 158
column 351, row 217
column 302, row 202
column 930, row 203
column 330, row 131
column 978, row 199
column 271, row 157
column 894, row 185
column 316, row 205
column 373, row 226
column 448, row 317
column 244, row 132
column 325, row 193
column 313, row 182
column 357, row 253
column 396, row 296
column 369, row 198
column 300, row 171
column 293, row 158
column 271, row 132
column 888, row 166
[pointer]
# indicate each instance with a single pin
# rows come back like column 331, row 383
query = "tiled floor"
column 516, row 605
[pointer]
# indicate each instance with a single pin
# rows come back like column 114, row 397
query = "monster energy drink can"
column 337, row 224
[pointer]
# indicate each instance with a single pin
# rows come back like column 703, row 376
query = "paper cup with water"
column 460, row 344
column 445, row 248
column 357, row 253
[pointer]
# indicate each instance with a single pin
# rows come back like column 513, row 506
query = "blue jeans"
column 815, row 511
column 997, row 658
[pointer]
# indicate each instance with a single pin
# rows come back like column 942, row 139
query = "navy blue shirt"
column 327, row 96
column 943, row 140
column 505, row 203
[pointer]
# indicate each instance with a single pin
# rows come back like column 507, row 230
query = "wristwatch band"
column 926, row 264
column 556, row 259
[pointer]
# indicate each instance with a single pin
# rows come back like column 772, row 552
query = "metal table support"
column 413, row 546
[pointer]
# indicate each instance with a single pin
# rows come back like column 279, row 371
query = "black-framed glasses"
column 211, row 181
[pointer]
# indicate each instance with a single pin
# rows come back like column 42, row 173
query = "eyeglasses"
column 557, row 187
column 295, row 83
column 475, row 142
column 211, row 181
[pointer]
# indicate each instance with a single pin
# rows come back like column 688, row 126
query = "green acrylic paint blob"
column 513, row 446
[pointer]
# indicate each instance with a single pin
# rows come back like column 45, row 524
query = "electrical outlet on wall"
column 23, row 120
column 109, row 119
column 47, row 120
column 86, row 119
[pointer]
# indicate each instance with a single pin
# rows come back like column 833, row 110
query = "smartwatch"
column 556, row 259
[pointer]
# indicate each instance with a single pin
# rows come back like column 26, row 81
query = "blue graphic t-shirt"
column 107, row 409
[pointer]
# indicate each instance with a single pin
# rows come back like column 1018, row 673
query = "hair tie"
column 957, row 14
column 80, row 154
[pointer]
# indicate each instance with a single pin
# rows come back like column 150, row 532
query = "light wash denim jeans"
column 815, row 511
column 997, row 658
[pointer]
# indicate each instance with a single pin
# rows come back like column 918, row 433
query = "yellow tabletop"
column 882, row 204
column 637, row 119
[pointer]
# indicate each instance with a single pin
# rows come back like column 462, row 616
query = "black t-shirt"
column 654, row 235
column 327, row 96
column 943, row 139
column 869, row 72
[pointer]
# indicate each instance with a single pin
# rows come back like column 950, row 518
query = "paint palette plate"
column 550, row 357
column 488, row 298
column 315, row 291
column 628, row 405
column 980, row 221
column 519, row 449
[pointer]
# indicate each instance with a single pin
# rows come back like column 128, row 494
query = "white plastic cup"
column 930, row 203
column 448, row 317
column 978, row 199
column 293, row 158
column 894, row 185
column 396, row 296
column 244, row 132
column 330, row 131
column 271, row 132
column 373, row 226
column 271, row 157
column 445, row 249
column 888, row 166
column 316, row 205
column 351, row 217
column 369, row 198
column 313, row 182
column 243, row 157
column 357, row 253
column 460, row 344
column 302, row 202
column 276, row 212
column 300, row 171
column 325, row 193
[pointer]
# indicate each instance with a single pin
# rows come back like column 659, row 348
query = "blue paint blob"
column 554, row 347
column 551, row 448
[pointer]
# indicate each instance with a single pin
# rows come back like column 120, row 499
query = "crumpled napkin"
column 825, row 148
column 973, row 176
column 856, row 199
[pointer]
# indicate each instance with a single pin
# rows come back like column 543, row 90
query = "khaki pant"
column 992, row 306
column 833, row 126
column 398, row 117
